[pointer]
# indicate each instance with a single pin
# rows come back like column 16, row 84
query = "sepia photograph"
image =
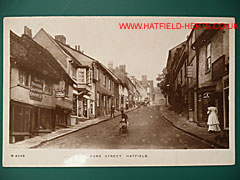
column 118, row 91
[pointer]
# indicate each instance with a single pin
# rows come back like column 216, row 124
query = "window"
column 91, row 76
column 98, row 99
column 66, row 89
column 109, row 84
column 97, row 75
column 91, row 108
column 20, row 118
column 48, row 88
column 74, row 72
column 193, row 37
column 104, row 80
column 181, row 77
column 113, row 85
column 208, row 60
column 44, row 119
column 104, row 101
column 23, row 78
column 81, row 75
column 74, row 109
column 185, row 69
column 88, row 76
column 191, row 103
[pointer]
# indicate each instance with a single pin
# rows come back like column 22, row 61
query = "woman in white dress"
column 213, row 122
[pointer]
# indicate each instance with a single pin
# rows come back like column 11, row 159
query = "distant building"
column 148, row 85
column 106, row 89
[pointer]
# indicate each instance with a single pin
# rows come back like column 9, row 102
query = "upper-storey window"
column 208, row 59
column 74, row 72
column 97, row 75
column 23, row 78
column 104, row 80
column 109, row 84
column 48, row 87
column 82, row 75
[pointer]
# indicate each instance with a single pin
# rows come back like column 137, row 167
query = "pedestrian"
column 123, row 124
column 112, row 111
column 213, row 122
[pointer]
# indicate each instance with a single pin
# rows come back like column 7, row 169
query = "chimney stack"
column 110, row 65
column 61, row 38
column 27, row 31
column 144, row 79
column 122, row 68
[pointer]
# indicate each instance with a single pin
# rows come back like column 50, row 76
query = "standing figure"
column 213, row 122
column 112, row 111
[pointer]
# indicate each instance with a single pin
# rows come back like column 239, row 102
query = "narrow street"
column 148, row 129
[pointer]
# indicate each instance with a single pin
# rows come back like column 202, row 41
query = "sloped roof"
column 29, row 54
column 79, row 56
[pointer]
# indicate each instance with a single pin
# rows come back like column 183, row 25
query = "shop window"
column 20, row 118
column 104, row 101
column 48, row 87
column 98, row 99
column 23, row 78
column 44, row 119
column 208, row 59
column 74, row 110
column 91, row 108
column 191, row 103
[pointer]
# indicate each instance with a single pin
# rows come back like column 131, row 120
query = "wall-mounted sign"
column 206, row 95
column 36, row 89
column 59, row 94
column 189, row 71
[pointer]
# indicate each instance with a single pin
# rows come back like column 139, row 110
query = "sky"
column 144, row 52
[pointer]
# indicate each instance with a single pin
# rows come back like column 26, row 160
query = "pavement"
column 218, row 140
column 41, row 139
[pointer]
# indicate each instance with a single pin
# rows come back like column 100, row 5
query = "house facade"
column 34, row 92
column 212, row 53
column 106, row 85
column 79, row 67
column 198, row 75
